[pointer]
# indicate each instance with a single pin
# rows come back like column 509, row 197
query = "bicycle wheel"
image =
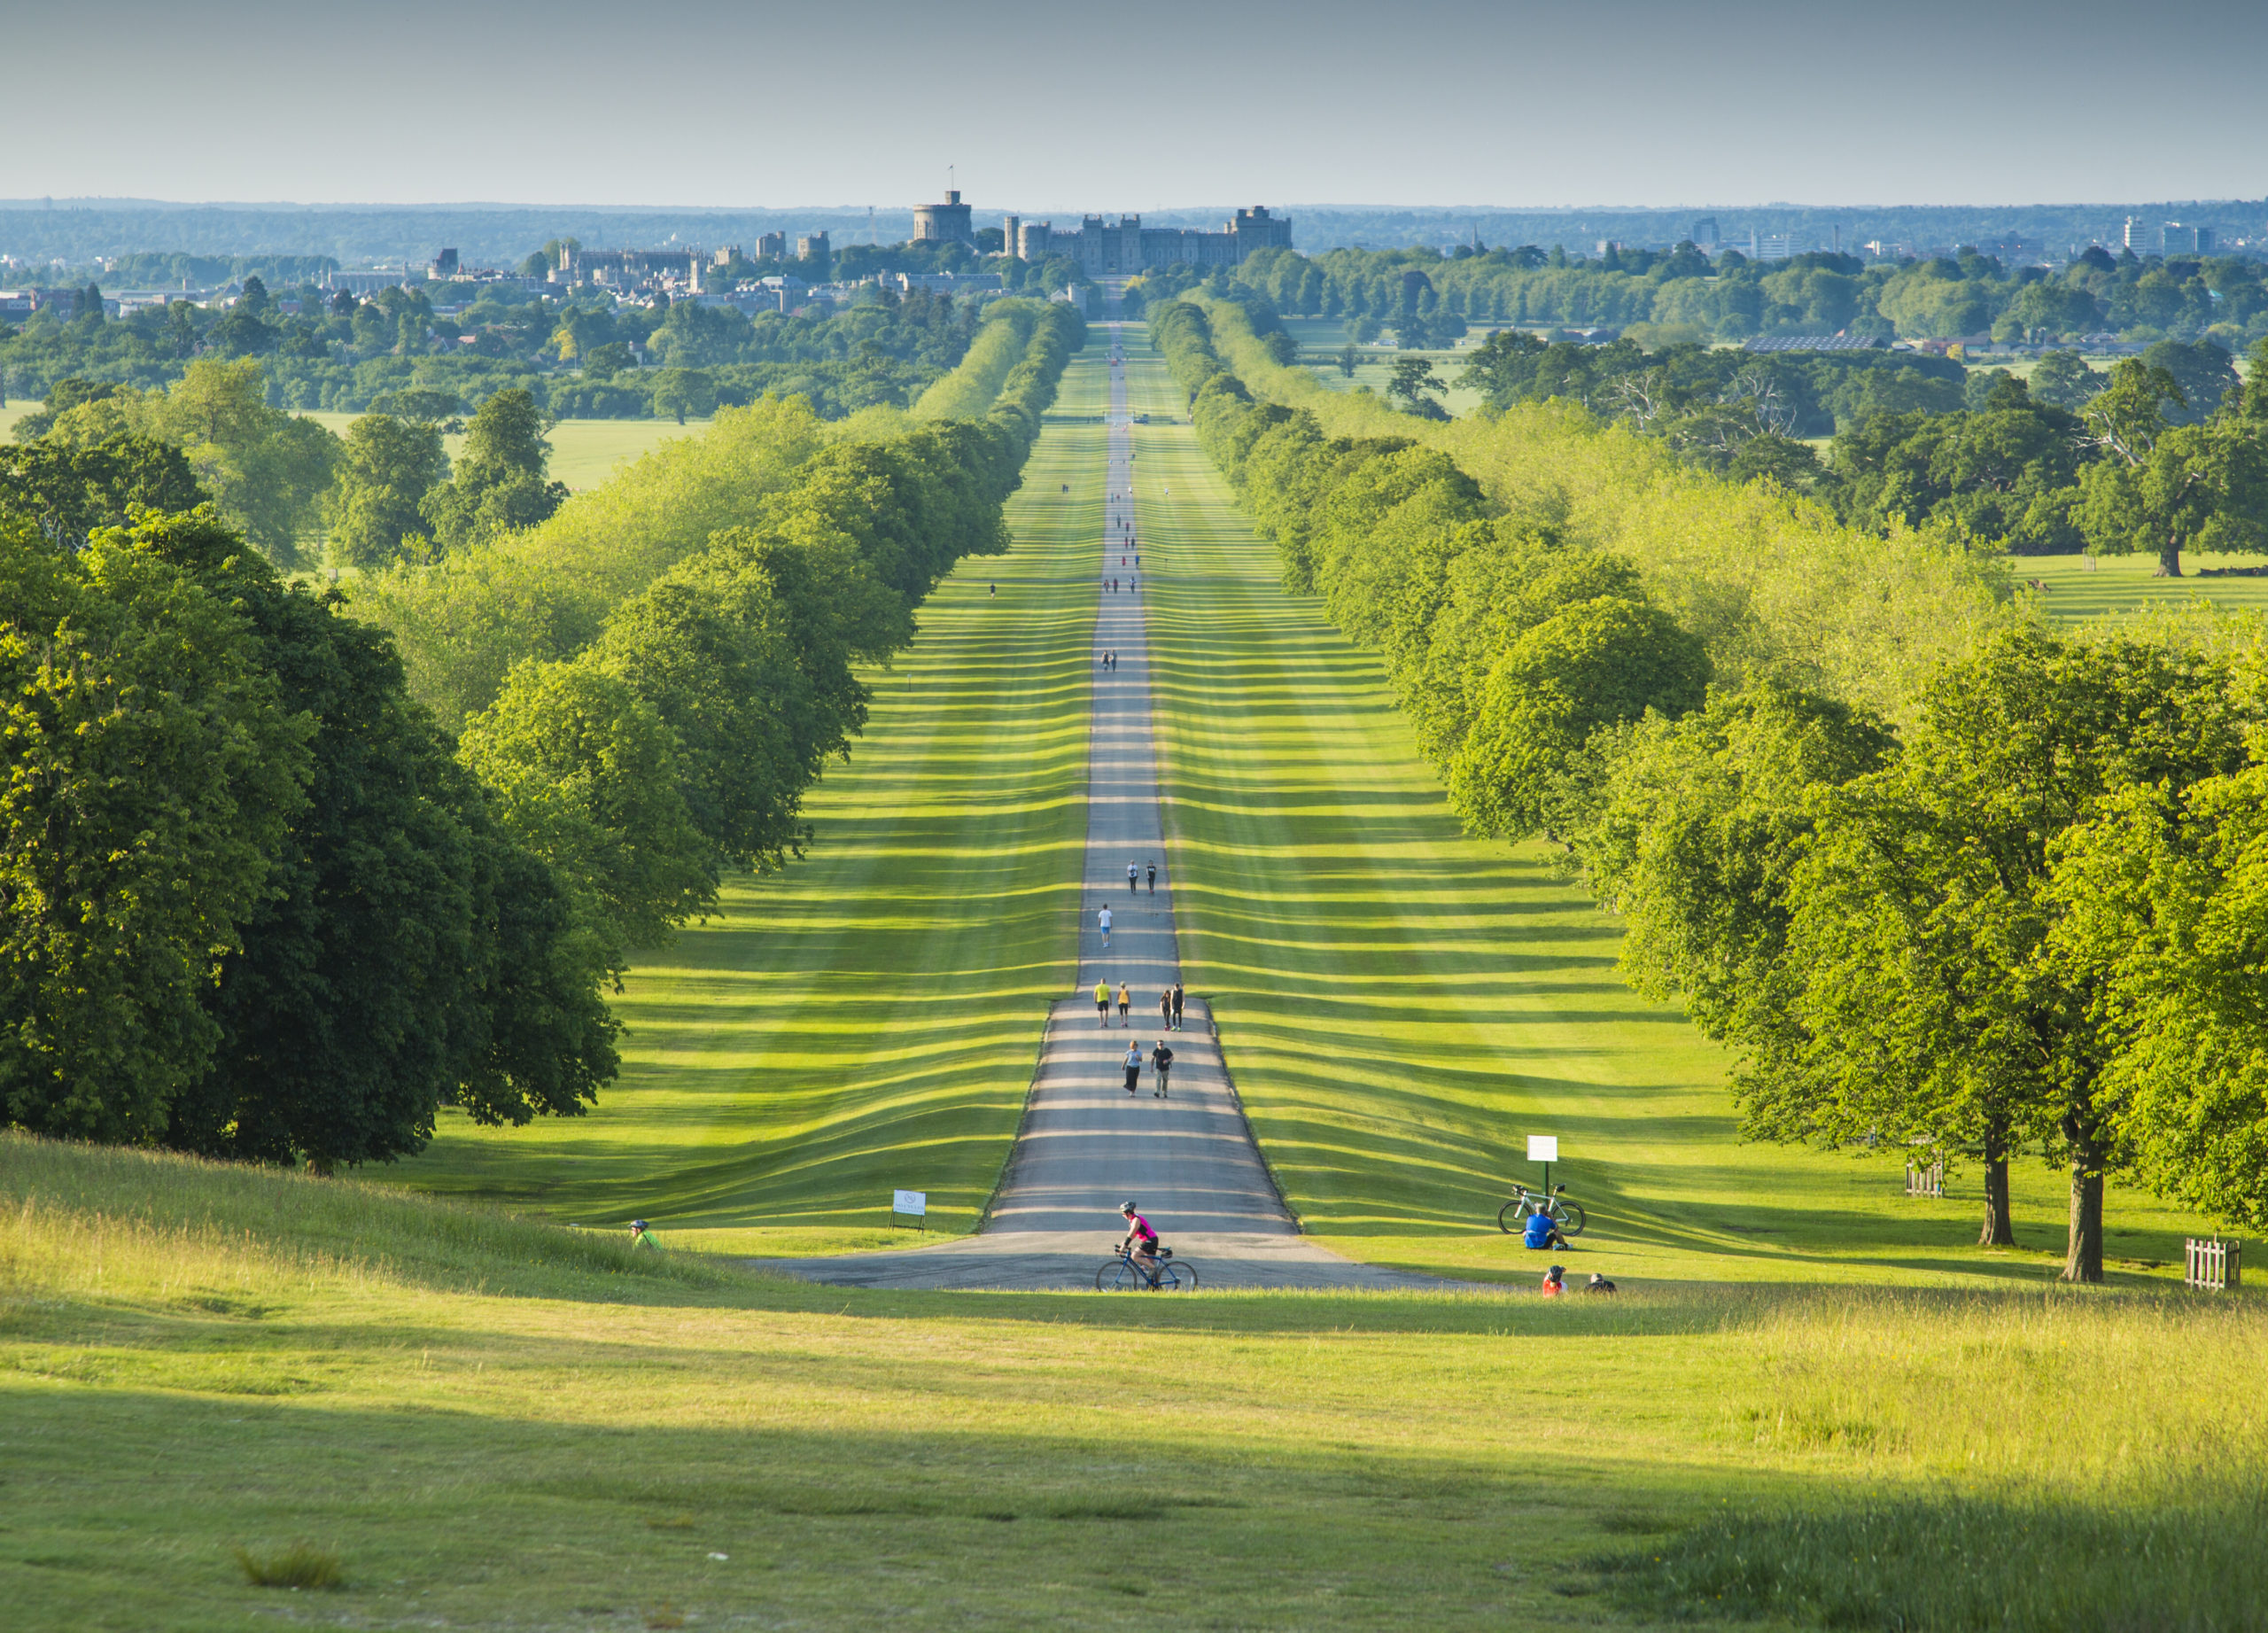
column 1570, row 1218
column 1116, row 1277
column 1178, row 1277
column 1509, row 1216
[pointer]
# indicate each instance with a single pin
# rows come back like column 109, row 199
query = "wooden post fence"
column 1925, row 1179
column 2212, row 1265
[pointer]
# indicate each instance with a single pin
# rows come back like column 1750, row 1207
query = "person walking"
column 1103, row 919
column 1165, row 1009
column 1125, row 1003
column 1177, row 1006
column 1161, row 1058
column 1132, row 872
column 1133, row 1064
column 1102, row 1003
column 1153, row 878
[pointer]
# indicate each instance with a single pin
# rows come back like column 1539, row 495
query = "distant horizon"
column 124, row 201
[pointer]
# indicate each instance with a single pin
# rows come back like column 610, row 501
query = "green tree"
column 1350, row 357
column 2163, row 488
column 584, row 774
column 501, row 481
column 1598, row 664
column 386, row 468
column 152, row 773
column 1411, row 379
column 2062, row 380
column 682, row 392
column 1927, row 1000
column 68, row 491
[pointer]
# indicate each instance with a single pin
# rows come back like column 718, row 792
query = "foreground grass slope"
column 1403, row 1005
column 867, row 1020
column 493, row 1423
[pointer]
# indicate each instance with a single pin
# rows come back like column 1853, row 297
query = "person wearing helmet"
column 1140, row 1239
column 1555, row 1281
column 641, row 1236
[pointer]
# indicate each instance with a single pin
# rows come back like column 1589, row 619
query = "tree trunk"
column 2000, row 1225
column 2083, row 1257
column 2170, row 560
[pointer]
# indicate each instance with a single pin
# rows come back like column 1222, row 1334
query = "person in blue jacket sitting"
column 1542, row 1232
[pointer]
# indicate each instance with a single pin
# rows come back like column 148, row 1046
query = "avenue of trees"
column 1940, row 879
column 260, row 899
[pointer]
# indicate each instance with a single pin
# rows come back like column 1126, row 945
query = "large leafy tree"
column 501, row 481
column 2157, row 487
column 1928, row 1003
column 583, row 773
column 70, row 491
column 153, row 770
column 386, row 468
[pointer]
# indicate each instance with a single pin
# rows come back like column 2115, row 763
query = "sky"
column 1157, row 105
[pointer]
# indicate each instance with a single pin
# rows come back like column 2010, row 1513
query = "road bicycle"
column 1123, row 1275
column 1555, row 1207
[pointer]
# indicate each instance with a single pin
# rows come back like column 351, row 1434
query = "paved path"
column 1188, row 1160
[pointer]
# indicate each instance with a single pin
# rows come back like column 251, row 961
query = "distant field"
column 2081, row 590
column 1320, row 340
column 584, row 453
column 16, row 409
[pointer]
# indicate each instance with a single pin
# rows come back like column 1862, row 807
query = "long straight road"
column 1188, row 1159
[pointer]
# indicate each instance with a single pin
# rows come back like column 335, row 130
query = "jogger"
column 1102, row 1003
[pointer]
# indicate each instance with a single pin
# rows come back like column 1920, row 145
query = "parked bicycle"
column 1555, row 1207
column 1123, row 1275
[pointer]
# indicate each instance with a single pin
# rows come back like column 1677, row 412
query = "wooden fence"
column 1925, row 1179
column 2212, row 1265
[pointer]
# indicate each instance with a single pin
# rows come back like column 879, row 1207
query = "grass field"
column 584, row 453
column 1401, row 1006
column 1320, row 340
column 868, row 1019
column 16, row 409
column 484, row 1422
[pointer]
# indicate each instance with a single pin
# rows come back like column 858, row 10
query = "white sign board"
column 1543, row 1147
column 915, row 1202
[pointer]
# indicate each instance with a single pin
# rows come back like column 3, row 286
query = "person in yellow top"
column 1125, row 1004
column 1102, row 1003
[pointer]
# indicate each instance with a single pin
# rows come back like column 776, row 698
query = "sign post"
column 913, row 1202
column 1545, row 1148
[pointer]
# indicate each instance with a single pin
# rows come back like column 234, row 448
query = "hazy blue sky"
column 1142, row 105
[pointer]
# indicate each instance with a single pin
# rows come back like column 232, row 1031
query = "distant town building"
column 1704, row 234
column 1032, row 241
column 1009, row 227
column 812, row 245
column 1815, row 343
column 943, row 223
column 2136, row 238
column 771, row 245
column 445, row 264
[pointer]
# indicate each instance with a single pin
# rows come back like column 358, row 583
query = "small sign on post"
column 915, row 1203
column 1545, row 1148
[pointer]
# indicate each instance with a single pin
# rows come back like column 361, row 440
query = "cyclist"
column 1542, row 1232
column 1140, row 1239
column 642, row 1235
column 1555, row 1281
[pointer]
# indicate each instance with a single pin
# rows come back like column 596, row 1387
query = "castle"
column 1104, row 248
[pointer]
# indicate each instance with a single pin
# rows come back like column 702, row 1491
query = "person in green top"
column 643, row 1237
column 1102, row 1003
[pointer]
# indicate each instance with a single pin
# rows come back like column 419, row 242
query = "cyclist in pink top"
column 1141, row 1238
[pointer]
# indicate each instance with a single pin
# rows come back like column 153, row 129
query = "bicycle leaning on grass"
column 1123, row 1275
column 1553, row 1206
